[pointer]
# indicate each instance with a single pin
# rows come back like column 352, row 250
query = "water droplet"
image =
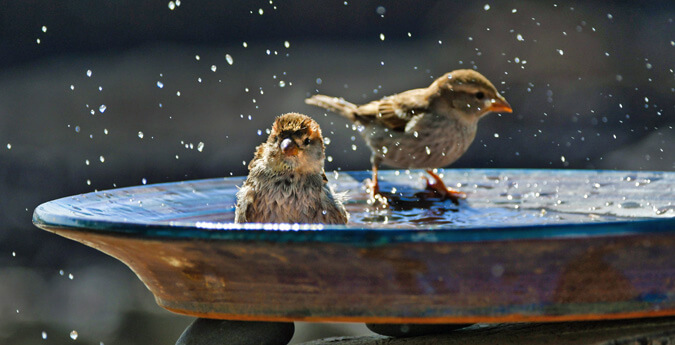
column 229, row 59
column 646, row 100
column 385, row 150
column 319, row 81
column 72, row 87
column 101, row 158
column 44, row 28
column 282, row 83
column 519, row 37
column 144, row 181
column 380, row 10
column 562, row 159
column 381, row 37
column 326, row 140
column 287, row 44
column 428, row 150
column 496, row 135
column 200, row 146
column 213, row 68
column 178, row 93
column 260, row 11
column 353, row 147
column 44, row 335
column 245, row 44
column 560, row 51
column 102, row 108
column 105, row 131
column 70, row 276
column 9, row 146
column 73, row 335
column 77, row 129
column 172, row 5
column 486, row 7
column 329, row 158
column 160, row 84
column 86, row 162
column 609, row 16
column 140, row 134
column 88, row 73
column 514, row 10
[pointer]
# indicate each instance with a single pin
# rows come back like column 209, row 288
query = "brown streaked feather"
column 395, row 111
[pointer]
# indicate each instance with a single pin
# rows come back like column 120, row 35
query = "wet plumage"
column 286, row 181
column 423, row 128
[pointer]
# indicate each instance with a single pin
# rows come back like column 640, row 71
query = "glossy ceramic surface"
column 526, row 245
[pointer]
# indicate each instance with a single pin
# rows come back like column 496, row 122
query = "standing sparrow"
column 422, row 128
column 286, row 181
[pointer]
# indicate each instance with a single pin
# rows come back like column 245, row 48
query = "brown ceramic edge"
column 513, row 318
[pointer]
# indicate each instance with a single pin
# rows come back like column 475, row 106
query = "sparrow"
column 286, row 181
column 424, row 128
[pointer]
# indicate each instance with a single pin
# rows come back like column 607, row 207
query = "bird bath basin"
column 527, row 245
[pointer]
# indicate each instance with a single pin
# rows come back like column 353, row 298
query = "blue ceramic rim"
column 288, row 233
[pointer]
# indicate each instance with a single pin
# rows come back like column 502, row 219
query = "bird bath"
column 527, row 245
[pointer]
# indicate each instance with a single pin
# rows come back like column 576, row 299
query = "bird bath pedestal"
column 526, row 246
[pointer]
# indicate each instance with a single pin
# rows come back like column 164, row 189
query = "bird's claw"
column 445, row 193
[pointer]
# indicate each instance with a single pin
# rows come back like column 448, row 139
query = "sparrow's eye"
column 480, row 95
column 307, row 141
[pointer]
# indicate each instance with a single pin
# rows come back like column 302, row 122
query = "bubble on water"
column 381, row 37
column 282, row 83
column 140, row 134
column 102, row 108
column 213, row 68
column 73, row 335
column 44, row 335
column 229, row 59
column 486, row 7
column 160, row 84
column 630, row 204
column 200, row 146
column 519, row 37
column 102, row 159
column 287, row 44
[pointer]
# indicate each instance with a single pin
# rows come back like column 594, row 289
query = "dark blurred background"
column 102, row 94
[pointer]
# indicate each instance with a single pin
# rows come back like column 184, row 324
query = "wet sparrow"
column 286, row 181
column 422, row 128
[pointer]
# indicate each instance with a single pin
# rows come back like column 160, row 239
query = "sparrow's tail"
column 335, row 104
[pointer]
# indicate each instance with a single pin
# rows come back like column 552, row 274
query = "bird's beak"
column 288, row 147
column 499, row 105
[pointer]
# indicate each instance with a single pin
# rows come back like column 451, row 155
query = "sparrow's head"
column 470, row 92
column 295, row 144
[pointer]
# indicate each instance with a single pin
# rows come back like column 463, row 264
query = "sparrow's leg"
column 375, row 185
column 439, row 187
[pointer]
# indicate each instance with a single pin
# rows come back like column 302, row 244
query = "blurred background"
column 102, row 94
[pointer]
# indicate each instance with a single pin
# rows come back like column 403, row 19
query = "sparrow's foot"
column 438, row 187
column 376, row 198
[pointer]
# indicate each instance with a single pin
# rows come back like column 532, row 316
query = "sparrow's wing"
column 395, row 111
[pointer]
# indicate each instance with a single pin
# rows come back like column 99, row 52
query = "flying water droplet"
column 88, row 73
column 102, row 159
column 287, row 44
column 44, row 335
column 381, row 37
column 486, row 7
column 102, row 108
column 213, row 68
column 229, row 59
column 160, row 84
column 140, row 134
column 73, row 335
column 144, row 181
column 326, row 141
column 282, row 83
column 9, row 146
column 200, row 146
